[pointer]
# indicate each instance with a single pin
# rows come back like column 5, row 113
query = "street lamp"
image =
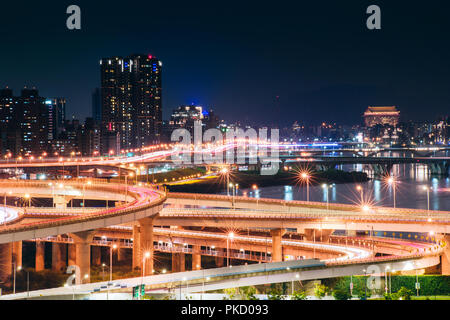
column 27, row 196
column 103, row 271
column 365, row 285
column 225, row 172
column 234, row 188
column 392, row 182
column 326, row 187
column 306, row 177
column 361, row 190
column 18, row 268
column 385, row 279
column 229, row 237
column 146, row 256
column 427, row 189
column 187, row 287
column 84, row 190
column 114, row 246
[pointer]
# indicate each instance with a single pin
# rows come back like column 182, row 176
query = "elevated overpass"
column 237, row 276
column 300, row 215
column 143, row 204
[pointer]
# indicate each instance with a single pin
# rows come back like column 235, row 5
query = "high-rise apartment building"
column 131, row 100
column 56, row 110
column 32, row 116
column 29, row 122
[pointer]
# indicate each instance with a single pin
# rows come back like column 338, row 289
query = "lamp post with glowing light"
column 234, row 188
column 385, row 279
column 361, row 191
column 18, row 268
column 306, row 177
column 28, row 197
column 427, row 189
column 229, row 237
column 392, row 182
column 103, row 271
column 84, row 191
column 225, row 172
column 326, row 187
column 146, row 256
column 114, row 246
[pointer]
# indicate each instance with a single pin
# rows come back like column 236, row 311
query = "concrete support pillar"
column 445, row 258
column 178, row 262
column 196, row 258
column 175, row 262
column 277, row 249
column 320, row 235
column 136, row 247
column 58, row 256
column 82, row 242
column 146, row 244
column 17, row 253
column 121, row 254
column 40, row 256
column 5, row 260
column 178, row 259
column 72, row 255
column 96, row 255
column 219, row 261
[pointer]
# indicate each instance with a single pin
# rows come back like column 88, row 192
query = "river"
column 409, row 193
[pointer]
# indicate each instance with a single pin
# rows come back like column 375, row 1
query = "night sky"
column 237, row 57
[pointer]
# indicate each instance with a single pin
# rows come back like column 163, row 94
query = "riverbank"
column 249, row 179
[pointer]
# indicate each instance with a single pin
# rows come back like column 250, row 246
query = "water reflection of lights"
column 288, row 194
column 376, row 190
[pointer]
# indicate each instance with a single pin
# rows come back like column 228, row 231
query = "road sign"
column 417, row 285
column 138, row 291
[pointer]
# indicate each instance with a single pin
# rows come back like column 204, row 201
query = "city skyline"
column 292, row 63
column 201, row 151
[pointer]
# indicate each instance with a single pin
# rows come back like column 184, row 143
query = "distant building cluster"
column 381, row 125
column 127, row 115
column 31, row 125
column 186, row 116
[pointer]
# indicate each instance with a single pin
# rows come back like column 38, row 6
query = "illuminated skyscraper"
column 56, row 110
column 131, row 101
column 32, row 116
